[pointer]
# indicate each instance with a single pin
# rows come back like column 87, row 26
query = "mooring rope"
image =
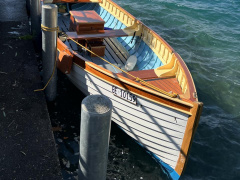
column 173, row 95
column 44, row 28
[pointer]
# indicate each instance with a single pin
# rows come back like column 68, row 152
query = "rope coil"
column 45, row 28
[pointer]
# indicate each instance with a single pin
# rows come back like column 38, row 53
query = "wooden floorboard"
column 113, row 53
column 173, row 83
column 168, row 84
column 117, row 48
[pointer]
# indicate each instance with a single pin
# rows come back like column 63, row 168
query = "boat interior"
column 119, row 45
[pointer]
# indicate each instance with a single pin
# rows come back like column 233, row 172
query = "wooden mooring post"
column 96, row 114
column 49, row 49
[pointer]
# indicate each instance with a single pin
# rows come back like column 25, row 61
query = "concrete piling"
column 49, row 44
column 94, row 137
column 35, row 14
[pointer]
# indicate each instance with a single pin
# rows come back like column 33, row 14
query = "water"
column 207, row 36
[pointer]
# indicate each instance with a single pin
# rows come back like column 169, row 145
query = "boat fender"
column 64, row 63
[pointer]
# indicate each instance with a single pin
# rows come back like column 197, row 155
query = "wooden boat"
column 153, row 93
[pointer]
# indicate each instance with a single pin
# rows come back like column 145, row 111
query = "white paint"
column 158, row 128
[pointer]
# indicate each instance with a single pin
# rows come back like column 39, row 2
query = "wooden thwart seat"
column 97, row 34
column 143, row 74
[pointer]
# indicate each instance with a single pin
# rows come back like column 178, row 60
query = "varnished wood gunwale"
column 188, row 136
column 126, row 83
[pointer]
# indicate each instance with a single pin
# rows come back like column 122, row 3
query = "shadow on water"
column 127, row 160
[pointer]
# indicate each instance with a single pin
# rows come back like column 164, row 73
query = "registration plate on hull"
column 124, row 95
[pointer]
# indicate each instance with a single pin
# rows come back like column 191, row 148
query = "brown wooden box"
column 98, row 48
column 84, row 21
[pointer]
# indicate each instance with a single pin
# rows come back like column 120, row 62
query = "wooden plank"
column 166, row 84
column 86, row 17
column 143, row 74
column 173, row 83
column 118, row 49
column 169, row 84
column 62, row 25
column 115, row 56
column 96, row 34
column 110, row 58
column 66, row 22
column 188, row 136
column 73, row 45
column 162, row 86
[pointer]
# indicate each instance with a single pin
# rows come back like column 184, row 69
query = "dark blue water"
column 207, row 36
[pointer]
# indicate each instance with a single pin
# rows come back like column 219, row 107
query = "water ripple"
column 206, row 34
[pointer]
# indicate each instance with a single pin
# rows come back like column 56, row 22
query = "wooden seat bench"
column 143, row 74
column 97, row 34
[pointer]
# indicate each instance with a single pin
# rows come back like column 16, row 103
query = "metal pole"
column 96, row 114
column 49, row 19
column 35, row 13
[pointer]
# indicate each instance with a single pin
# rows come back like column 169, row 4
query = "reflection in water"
column 14, row 33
